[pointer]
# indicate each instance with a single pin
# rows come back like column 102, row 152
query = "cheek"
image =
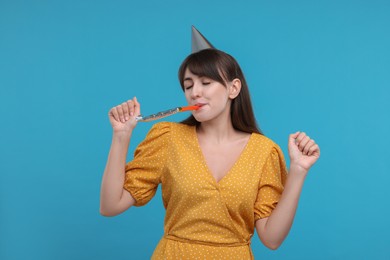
column 221, row 95
column 187, row 95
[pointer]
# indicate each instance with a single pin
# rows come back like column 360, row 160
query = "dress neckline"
column 204, row 162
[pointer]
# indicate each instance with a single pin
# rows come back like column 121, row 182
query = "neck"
column 217, row 131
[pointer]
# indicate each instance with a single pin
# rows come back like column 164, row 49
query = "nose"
column 196, row 91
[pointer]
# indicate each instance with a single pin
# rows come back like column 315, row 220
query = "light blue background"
column 318, row 66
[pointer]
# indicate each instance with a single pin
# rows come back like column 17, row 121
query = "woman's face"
column 210, row 95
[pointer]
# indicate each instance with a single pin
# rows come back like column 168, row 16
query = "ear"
column 234, row 88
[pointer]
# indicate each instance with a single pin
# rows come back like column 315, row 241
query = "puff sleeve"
column 143, row 174
column 271, row 185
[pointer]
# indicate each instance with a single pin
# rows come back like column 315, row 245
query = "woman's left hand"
column 303, row 151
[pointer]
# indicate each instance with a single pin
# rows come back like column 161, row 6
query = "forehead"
column 188, row 75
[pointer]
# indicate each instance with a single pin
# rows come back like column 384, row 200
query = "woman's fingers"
column 292, row 138
column 120, row 113
column 134, row 107
column 307, row 146
column 302, row 144
column 125, row 108
column 114, row 113
column 130, row 105
column 123, row 112
column 298, row 139
column 314, row 150
column 137, row 107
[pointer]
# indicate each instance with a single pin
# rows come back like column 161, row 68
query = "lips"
column 200, row 104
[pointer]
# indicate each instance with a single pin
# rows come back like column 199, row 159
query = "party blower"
column 165, row 113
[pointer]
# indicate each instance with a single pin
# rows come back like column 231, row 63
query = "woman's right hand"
column 122, row 117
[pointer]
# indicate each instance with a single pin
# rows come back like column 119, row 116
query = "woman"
column 221, row 178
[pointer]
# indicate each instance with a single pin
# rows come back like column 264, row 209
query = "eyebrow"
column 187, row 79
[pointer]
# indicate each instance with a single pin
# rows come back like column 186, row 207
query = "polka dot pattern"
column 205, row 219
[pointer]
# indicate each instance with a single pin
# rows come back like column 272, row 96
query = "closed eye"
column 206, row 81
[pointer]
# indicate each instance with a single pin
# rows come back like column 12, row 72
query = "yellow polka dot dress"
column 205, row 219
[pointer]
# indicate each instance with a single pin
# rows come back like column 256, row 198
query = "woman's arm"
column 303, row 153
column 113, row 198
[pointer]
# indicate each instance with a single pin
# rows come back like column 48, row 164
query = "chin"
column 200, row 119
column 203, row 118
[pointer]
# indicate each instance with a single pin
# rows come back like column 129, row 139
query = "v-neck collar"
column 204, row 162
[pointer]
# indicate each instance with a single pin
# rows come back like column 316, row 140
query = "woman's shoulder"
column 262, row 138
column 265, row 142
column 170, row 127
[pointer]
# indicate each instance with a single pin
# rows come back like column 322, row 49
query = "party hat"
column 199, row 42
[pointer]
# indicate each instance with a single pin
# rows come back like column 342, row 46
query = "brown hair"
column 222, row 67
